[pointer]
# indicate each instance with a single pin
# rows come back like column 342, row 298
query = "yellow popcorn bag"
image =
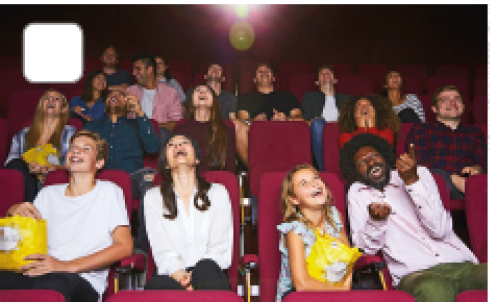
column 44, row 155
column 330, row 261
column 19, row 237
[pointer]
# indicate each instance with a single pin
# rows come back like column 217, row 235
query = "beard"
column 214, row 79
column 374, row 183
column 118, row 109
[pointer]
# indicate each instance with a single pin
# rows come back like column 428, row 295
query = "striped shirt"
column 412, row 102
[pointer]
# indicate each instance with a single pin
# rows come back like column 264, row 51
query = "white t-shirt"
column 330, row 112
column 180, row 243
column 147, row 101
column 80, row 226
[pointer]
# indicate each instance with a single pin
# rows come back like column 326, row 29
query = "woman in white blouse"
column 189, row 223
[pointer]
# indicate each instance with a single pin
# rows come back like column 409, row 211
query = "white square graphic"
column 53, row 52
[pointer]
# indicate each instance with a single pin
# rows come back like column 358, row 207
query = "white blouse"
column 180, row 243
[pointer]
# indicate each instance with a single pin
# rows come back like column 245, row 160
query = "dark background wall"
column 391, row 34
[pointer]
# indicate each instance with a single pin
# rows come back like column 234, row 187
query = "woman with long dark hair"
column 49, row 126
column 189, row 223
column 407, row 106
column 164, row 76
column 367, row 114
column 206, row 126
column 90, row 105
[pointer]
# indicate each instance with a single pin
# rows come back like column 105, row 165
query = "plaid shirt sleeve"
column 417, row 137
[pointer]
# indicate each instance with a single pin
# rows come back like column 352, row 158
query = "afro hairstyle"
column 347, row 153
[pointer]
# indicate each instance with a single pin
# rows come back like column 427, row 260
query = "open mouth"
column 376, row 171
column 202, row 98
column 76, row 160
column 180, row 153
column 318, row 192
column 50, row 106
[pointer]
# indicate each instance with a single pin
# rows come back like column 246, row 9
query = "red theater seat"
column 299, row 84
column 411, row 85
column 4, row 143
column 416, row 71
column 480, row 109
column 481, row 71
column 276, row 146
column 331, row 148
column 12, row 186
column 340, row 69
column 182, row 71
column 375, row 72
column 31, row 295
column 22, row 106
column 354, row 84
column 476, row 203
column 175, row 296
column 473, row 296
column 16, row 81
column 352, row 296
column 453, row 71
column 481, row 87
column 246, row 71
column 400, row 141
column 287, row 69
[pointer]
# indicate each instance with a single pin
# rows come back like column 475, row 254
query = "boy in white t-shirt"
column 88, row 228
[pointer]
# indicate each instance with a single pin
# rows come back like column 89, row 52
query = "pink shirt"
column 417, row 235
column 166, row 104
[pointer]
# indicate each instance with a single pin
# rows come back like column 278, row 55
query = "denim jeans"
column 316, row 129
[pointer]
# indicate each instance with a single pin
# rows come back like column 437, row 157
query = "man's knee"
column 54, row 281
column 317, row 126
column 206, row 264
column 429, row 287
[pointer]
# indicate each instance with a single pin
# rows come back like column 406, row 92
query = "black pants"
column 205, row 275
column 73, row 287
column 454, row 192
column 31, row 183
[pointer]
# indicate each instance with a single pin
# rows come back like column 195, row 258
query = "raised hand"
column 278, row 116
column 379, row 210
column 406, row 165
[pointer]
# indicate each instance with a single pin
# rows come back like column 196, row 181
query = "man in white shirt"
column 88, row 228
column 320, row 107
column 400, row 213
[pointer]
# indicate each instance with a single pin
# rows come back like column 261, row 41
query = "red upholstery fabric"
column 277, row 146
column 123, row 180
column 331, row 148
column 400, row 142
column 411, row 85
column 125, row 64
column 481, row 71
column 299, row 84
column 352, row 296
column 473, row 296
column 31, row 295
column 16, row 81
column 198, row 79
column 230, row 181
column 22, row 105
column 476, row 202
column 91, row 65
column 480, row 109
column 75, row 92
column 375, row 72
column 417, row 71
column 246, row 71
column 12, row 188
column 175, row 296
column 481, row 87
column 287, row 69
column 340, row 69
column 270, row 216
column 354, row 84
column 68, row 88
column 182, row 71
column 151, row 160
column 461, row 83
column 453, row 71
column 4, row 144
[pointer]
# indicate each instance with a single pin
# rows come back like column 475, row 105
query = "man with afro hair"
column 395, row 208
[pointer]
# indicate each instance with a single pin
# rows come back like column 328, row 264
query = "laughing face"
column 53, row 104
column 450, row 106
column 310, row 190
column 202, row 97
column 179, row 151
column 263, row 76
column 115, row 103
column 82, row 156
column 371, row 168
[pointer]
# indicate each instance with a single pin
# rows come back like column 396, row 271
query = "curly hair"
column 347, row 153
column 385, row 115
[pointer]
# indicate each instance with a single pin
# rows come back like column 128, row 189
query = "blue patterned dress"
column 285, row 282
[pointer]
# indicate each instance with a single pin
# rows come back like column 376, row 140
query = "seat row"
column 270, row 216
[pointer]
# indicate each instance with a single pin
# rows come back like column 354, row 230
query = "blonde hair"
column 291, row 212
column 37, row 127
column 101, row 146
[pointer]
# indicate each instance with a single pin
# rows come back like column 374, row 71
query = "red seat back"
column 411, row 85
column 480, row 109
column 461, row 71
column 175, row 296
column 472, row 296
column 276, row 146
column 375, row 72
column 416, row 71
column 12, row 187
column 181, row 70
column 287, row 69
column 354, row 84
column 351, row 296
column 230, row 181
column 476, row 202
column 270, row 217
column 22, row 106
column 481, row 71
column 340, row 69
column 331, row 148
column 4, row 143
column 299, row 84
column 481, row 87
column 400, row 142
column 31, row 295
column 151, row 160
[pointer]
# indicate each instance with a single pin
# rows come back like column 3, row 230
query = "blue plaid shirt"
column 128, row 140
